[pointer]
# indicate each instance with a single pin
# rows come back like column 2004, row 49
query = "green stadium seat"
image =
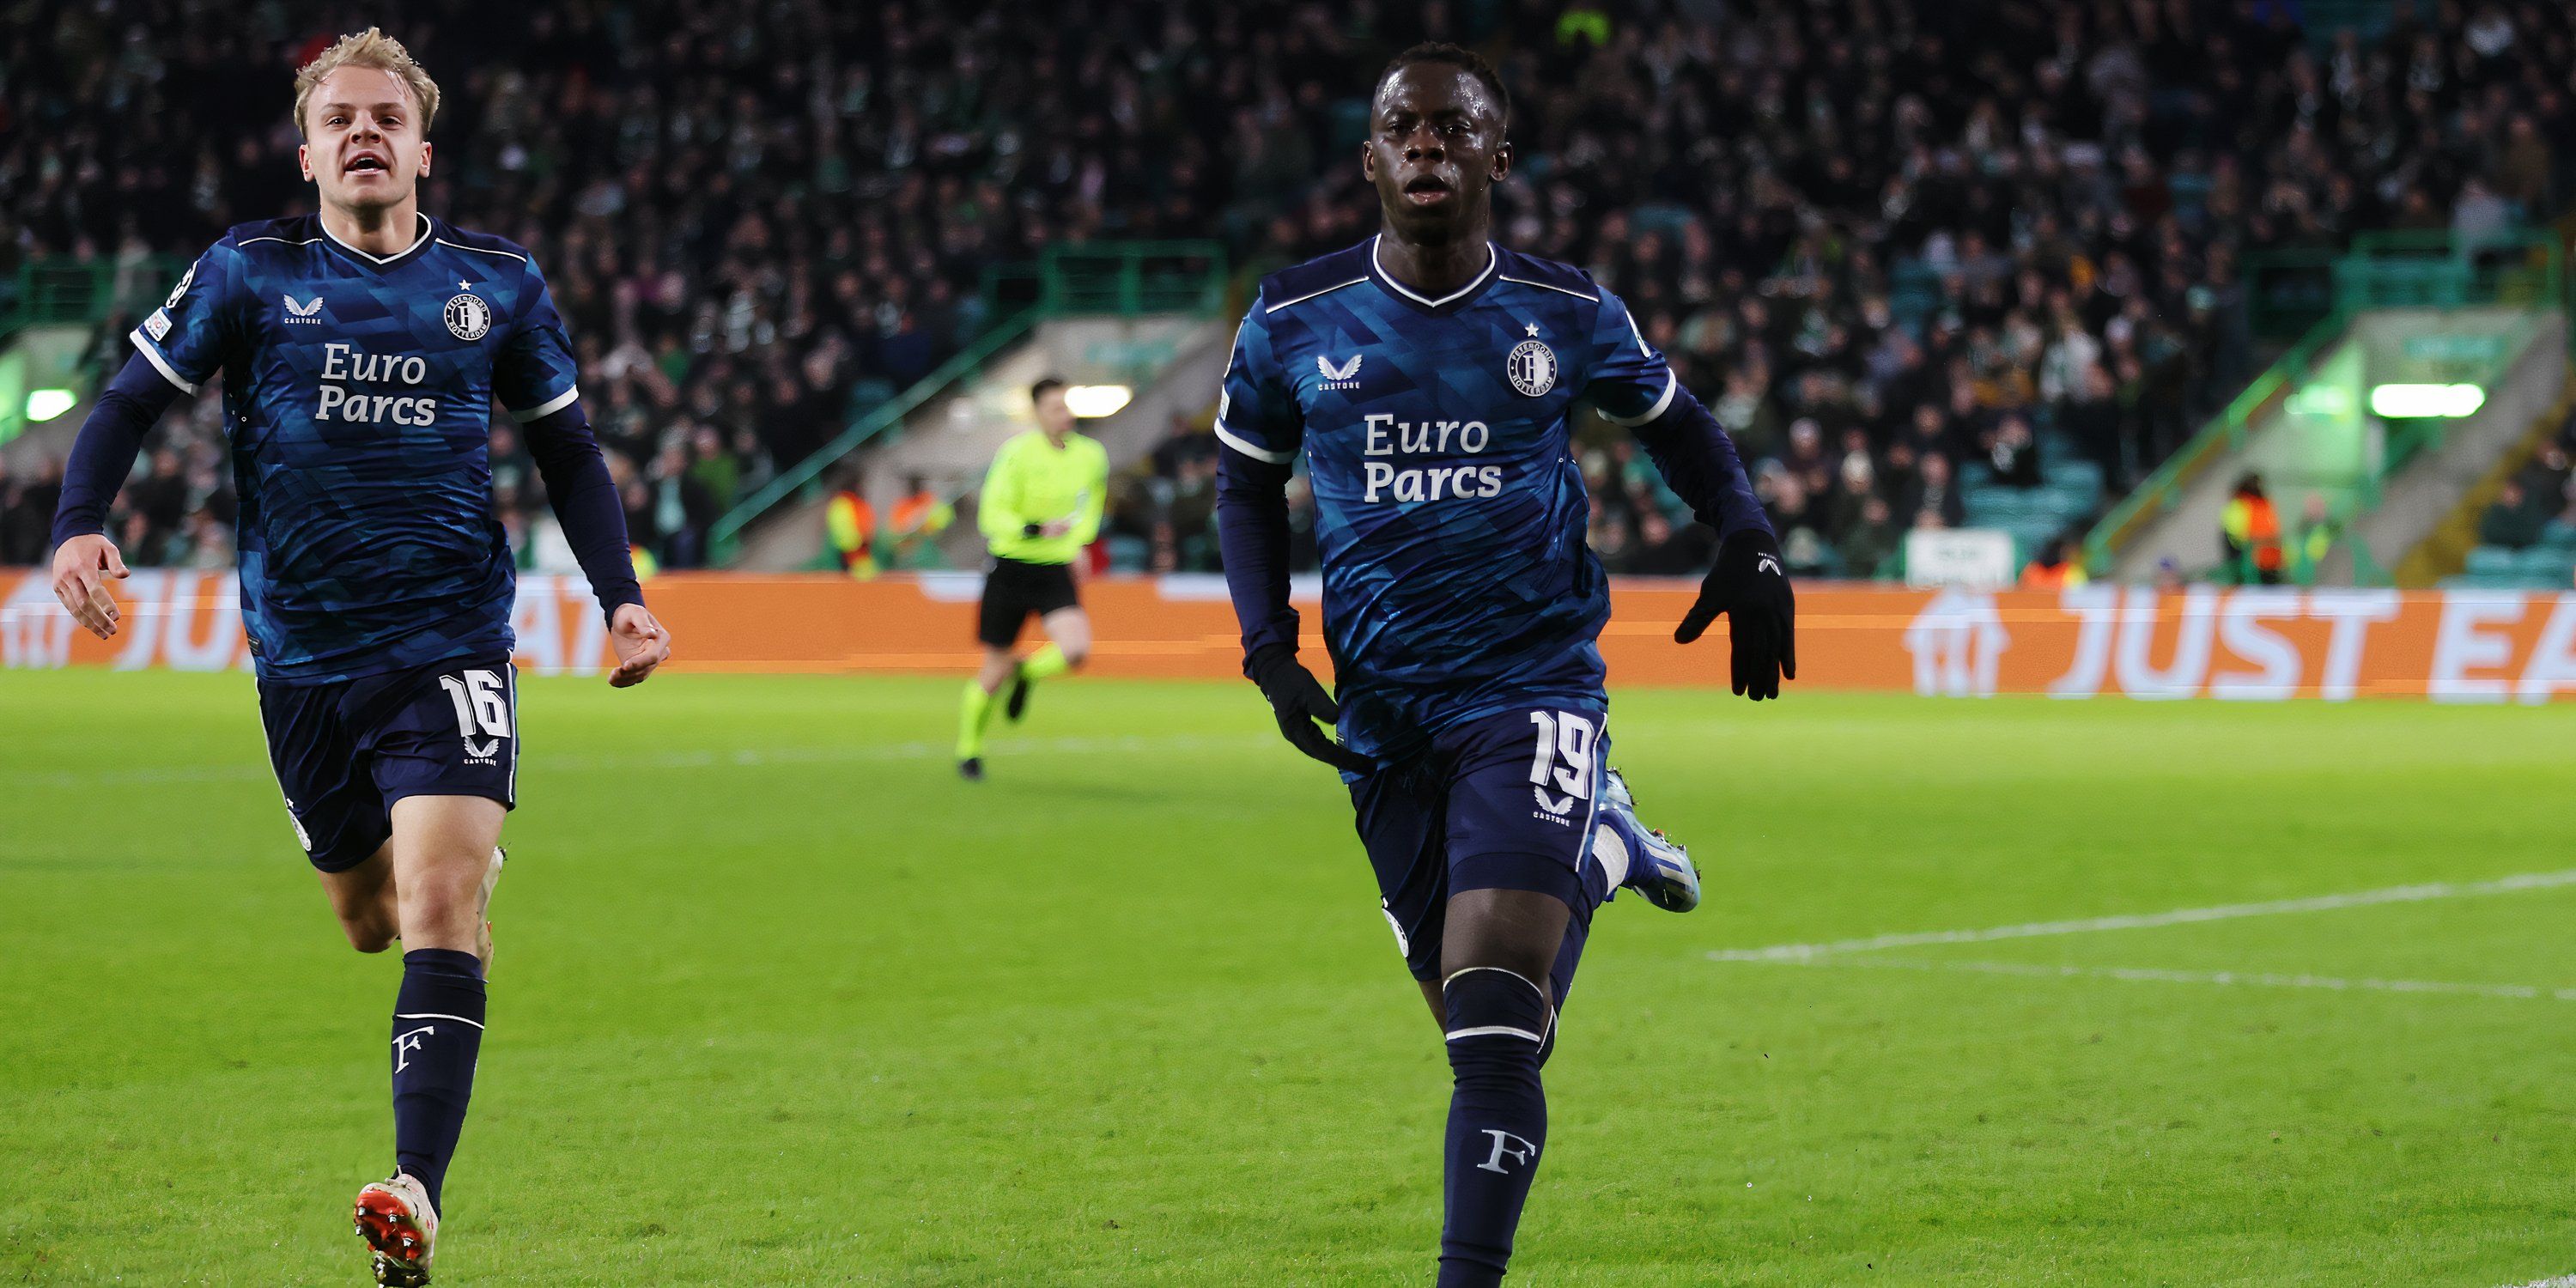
column 2491, row 561
column 2488, row 581
column 1129, row 554
column 2548, row 565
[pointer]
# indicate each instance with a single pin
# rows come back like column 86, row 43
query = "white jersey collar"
column 1493, row 258
column 427, row 231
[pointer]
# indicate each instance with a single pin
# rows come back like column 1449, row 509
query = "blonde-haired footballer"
column 1040, row 506
column 363, row 349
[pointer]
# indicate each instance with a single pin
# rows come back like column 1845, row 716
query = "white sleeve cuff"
column 548, row 407
column 1245, row 446
column 149, row 350
column 1671, row 383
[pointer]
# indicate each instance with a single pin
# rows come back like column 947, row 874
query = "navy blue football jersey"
column 1449, row 506
column 358, row 394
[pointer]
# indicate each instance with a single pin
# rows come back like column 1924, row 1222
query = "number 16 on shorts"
column 483, row 701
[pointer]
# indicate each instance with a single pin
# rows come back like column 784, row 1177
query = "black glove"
column 1299, row 700
column 1750, row 587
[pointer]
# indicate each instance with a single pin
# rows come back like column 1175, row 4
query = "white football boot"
column 1659, row 867
column 394, row 1217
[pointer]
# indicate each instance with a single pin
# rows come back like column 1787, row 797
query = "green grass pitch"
column 781, row 1001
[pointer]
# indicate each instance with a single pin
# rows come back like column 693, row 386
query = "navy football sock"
column 438, row 1031
column 1498, row 1025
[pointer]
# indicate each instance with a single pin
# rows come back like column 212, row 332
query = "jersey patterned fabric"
column 1449, row 508
column 357, row 394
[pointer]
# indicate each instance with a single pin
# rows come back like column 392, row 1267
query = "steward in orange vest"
column 2250, row 528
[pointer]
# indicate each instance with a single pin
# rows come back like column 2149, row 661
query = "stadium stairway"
column 2309, row 451
column 2426, row 522
column 2452, row 556
column 1173, row 363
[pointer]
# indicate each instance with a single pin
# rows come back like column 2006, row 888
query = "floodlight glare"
column 1093, row 401
column 2414, row 402
column 45, row 404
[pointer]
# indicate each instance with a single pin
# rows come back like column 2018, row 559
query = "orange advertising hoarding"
column 2223, row 642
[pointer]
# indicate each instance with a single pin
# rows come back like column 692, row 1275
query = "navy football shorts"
column 346, row 750
column 1504, row 802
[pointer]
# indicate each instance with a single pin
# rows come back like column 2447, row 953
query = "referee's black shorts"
column 1013, row 590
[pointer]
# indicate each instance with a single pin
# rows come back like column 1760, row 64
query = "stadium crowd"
column 2538, row 502
column 1892, row 243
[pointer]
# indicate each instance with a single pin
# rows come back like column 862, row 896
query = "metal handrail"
column 1124, row 290
column 2163, row 489
column 2354, row 291
column 61, row 290
column 876, row 421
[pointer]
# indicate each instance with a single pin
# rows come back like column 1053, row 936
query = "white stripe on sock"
column 433, row 1015
column 1495, row 1030
column 1611, row 853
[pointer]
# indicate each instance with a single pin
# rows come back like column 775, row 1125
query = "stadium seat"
column 2491, row 561
column 1129, row 554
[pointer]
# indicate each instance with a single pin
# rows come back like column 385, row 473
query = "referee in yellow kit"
column 1041, row 505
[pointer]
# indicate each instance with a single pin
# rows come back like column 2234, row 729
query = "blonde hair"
column 369, row 48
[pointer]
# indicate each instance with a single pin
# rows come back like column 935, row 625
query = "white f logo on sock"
column 1503, row 1142
column 407, row 1043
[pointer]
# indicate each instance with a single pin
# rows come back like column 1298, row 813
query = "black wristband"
column 1031, row 529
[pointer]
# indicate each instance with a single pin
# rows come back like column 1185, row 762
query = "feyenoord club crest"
column 469, row 317
column 1532, row 368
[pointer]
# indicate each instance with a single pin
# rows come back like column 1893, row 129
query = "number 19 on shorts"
column 1563, row 762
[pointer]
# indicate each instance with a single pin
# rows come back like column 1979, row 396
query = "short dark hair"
column 1039, row 390
column 1458, row 56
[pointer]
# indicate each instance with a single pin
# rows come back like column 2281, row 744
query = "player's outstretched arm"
column 1634, row 387
column 1748, row 585
column 534, row 379
column 585, row 502
column 101, row 458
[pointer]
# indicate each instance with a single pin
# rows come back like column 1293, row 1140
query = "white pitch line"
column 2221, row 978
column 746, row 757
column 2562, row 1281
column 2178, row 917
